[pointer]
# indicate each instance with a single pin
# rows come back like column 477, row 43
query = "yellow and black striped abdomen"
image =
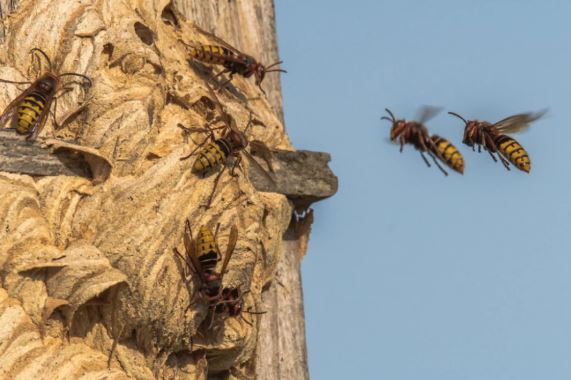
column 449, row 153
column 210, row 53
column 29, row 112
column 206, row 249
column 212, row 154
column 513, row 152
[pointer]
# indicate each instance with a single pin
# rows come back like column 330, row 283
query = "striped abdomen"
column 219, row 55
column 449, row 154
column 29, row 111
column 210, row 53
column 206, row 249
column 513, row 152
column 212, row 154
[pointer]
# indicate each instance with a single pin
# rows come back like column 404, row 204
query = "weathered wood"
column 50, row 158
column 17, row 155
column 302, row 176
column 281, row 352
column 251, row 27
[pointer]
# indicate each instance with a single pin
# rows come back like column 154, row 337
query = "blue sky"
column 410, row 274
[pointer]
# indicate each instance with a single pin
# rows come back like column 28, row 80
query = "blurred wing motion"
column 518, row 123
column 426, row 113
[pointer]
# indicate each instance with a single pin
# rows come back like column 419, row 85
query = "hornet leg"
column 208, row 130
column 433, row 152
column 424, row 158
column 438, row 164
column 483, row 144
column 236, row 164
column 64, row 91
column 216, row 232
column 211, row 319
column 195, row 149
column 245, row 320
column 221, row 73
column 504, row 161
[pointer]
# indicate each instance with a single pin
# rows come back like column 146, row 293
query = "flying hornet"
column 233, row 61
column 232, row 143
column 29, row 111
column 201, row 258
column 416, row 134
column 493, row 138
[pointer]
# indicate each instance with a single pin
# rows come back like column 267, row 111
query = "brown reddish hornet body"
column 201, row 258
column 231, row 144
column 493, row 138
column 234, row 62
column 416, row 134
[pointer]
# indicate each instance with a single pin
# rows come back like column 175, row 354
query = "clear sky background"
column 410, row 274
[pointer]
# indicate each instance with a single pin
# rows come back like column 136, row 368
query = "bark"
column 86, row 264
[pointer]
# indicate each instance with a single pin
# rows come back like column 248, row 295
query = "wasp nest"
column 91, row 286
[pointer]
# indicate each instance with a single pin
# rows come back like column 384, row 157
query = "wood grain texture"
column 18, row 155
column 282, row 352
column 251, row 27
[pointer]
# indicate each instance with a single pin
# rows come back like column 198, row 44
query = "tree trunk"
column 88, row 272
